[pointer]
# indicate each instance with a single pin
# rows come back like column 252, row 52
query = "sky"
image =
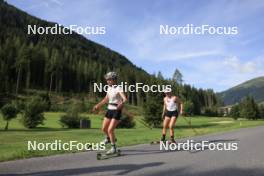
column 133, row 29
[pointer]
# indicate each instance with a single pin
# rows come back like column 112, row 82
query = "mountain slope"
column 66, row 64
column 253, row 87
column 57, row 62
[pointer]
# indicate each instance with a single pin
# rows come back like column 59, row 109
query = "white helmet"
column 167, row 90
column 110, row 75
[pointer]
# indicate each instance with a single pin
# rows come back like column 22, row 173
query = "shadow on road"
column 121, row 169
column 228, row 171
column 124, row 169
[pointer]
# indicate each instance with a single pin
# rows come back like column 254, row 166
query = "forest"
column 63, row 64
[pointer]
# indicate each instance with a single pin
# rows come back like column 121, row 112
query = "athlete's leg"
column 105, row 125
column 171, row 126
column 111, row 129
column 166, row 122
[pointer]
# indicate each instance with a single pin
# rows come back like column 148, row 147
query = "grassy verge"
column 13, row 143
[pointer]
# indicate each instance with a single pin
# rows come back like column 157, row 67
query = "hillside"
column 253, row 87
column 65, row 65
column 58, row 62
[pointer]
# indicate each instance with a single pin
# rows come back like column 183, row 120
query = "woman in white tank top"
column 171, row 109
column 115, row 98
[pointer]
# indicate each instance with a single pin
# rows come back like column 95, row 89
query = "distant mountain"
column 253, row 87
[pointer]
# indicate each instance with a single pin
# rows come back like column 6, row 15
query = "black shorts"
column 171, row 114
column 113, row 114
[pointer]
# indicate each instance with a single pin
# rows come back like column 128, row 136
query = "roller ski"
column 108, row 154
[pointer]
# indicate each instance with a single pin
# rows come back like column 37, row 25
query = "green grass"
column 13, row 143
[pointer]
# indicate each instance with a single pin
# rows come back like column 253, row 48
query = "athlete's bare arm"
column 101, row 103
column 179, row 104
column 124, row 99
column 164, row 107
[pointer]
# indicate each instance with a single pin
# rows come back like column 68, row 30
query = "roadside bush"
column 33, row 112
column 70, row 121
column 127, row 121
column 72, row 118
column 9, row 112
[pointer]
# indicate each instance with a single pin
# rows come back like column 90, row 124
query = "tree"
column 160, row 76
column 211, row 111
column 55, row 66
column 261, row 111
column 177, row 77
column 188, row 108
column 21, row 63
column 9, row 111
column 33, row 113
column 71, row 63
column 248, row 108
column 153, row 109
column 234, row 112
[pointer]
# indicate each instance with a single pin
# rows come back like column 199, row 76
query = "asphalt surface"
column 147, row 159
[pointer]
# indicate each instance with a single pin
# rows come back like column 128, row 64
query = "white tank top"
column 170, row 104
column 114, row 96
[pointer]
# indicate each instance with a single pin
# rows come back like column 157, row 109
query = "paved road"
column 147, row 159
